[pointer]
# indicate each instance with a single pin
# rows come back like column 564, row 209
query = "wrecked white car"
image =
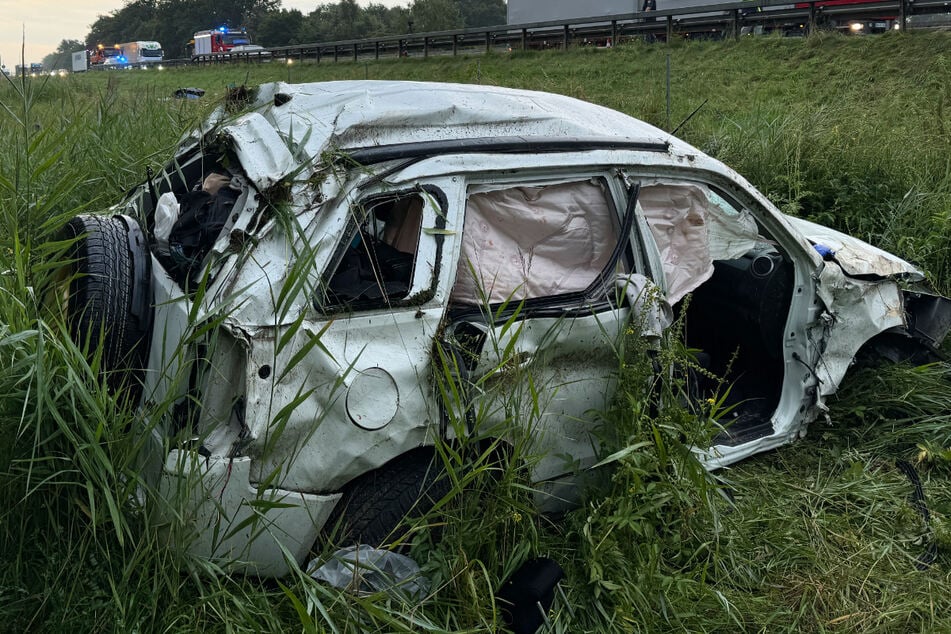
column 282, row 292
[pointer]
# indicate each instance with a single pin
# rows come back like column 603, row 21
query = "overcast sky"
column 46, row 23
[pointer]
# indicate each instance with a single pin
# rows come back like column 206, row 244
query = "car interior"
column 376, row 266
column 732, row 286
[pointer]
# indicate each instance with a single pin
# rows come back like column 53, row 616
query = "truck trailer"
column 80, row 61
column 528, row 11
column 875, row 19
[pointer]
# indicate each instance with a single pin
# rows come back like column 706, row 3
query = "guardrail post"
column 318, row 54
column 524, row 39
column 811, row 27
column 336, row 53
column 376, row 50
column 903, row 7
column 356, row 50
column 425, row 47
column 670, row 28
column 455, row 45
column 613, row 32
column 736, row 23
column 566, row 36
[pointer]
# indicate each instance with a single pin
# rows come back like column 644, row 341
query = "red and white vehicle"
column 107, row 56
column 220, row 40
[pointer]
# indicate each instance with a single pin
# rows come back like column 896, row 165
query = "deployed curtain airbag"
column 526, row 242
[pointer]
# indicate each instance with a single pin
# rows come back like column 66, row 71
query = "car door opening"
column 740, row 287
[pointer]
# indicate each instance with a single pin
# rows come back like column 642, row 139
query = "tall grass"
column 819, row 536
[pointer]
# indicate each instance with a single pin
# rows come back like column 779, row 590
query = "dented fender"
column 855, row 311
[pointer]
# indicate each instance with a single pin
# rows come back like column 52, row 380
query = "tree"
column 174, row 22
column 482, row 12
column 106, row 29
column 435, row 15
column 62, row 56
column 279, row 28
column 381, row 20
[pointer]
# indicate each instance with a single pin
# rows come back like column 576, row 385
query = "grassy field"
column 820, row 536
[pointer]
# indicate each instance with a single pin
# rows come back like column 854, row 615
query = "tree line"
column 174, row 22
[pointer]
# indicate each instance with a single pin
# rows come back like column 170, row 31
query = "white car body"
column 254, row 49
column 352, row 389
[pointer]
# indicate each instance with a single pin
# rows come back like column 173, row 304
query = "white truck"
column 142, row 52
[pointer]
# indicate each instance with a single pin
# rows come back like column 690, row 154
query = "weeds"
column 819, row 536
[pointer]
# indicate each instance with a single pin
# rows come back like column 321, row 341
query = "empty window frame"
column 378, row 265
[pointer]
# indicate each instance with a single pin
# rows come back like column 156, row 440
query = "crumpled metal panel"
column 350, row 114
column 261, row 150
column 243, row 528
column 857, row 311
column 549, row 373
column 856, row 257
column 297, row 414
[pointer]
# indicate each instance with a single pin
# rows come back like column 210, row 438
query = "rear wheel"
column 106, row 292
column 375, row 504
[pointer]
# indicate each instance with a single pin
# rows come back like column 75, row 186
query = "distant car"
column 298, row 275
column 250, row 50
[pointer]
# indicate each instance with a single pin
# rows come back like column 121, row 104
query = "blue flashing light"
column 223, row 29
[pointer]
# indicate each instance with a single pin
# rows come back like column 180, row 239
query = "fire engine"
column 220, row 40
column 107, row 56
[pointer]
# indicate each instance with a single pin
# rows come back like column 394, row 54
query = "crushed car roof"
column 372, row 113
column 319, row 117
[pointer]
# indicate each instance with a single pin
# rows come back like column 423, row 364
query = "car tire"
column 375, row 504
column 107, row 295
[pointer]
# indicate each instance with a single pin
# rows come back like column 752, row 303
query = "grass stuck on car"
column 289, row 298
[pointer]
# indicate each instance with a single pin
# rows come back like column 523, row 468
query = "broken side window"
column 378, row 263
column 694, row 226
column 532, row 241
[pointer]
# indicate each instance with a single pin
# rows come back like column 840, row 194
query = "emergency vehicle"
column 220, row 40
column 107, row 56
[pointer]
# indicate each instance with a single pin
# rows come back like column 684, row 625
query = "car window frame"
column 423, row 285
column 597, row 297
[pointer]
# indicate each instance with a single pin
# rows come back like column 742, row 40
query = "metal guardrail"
column 725, row 19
